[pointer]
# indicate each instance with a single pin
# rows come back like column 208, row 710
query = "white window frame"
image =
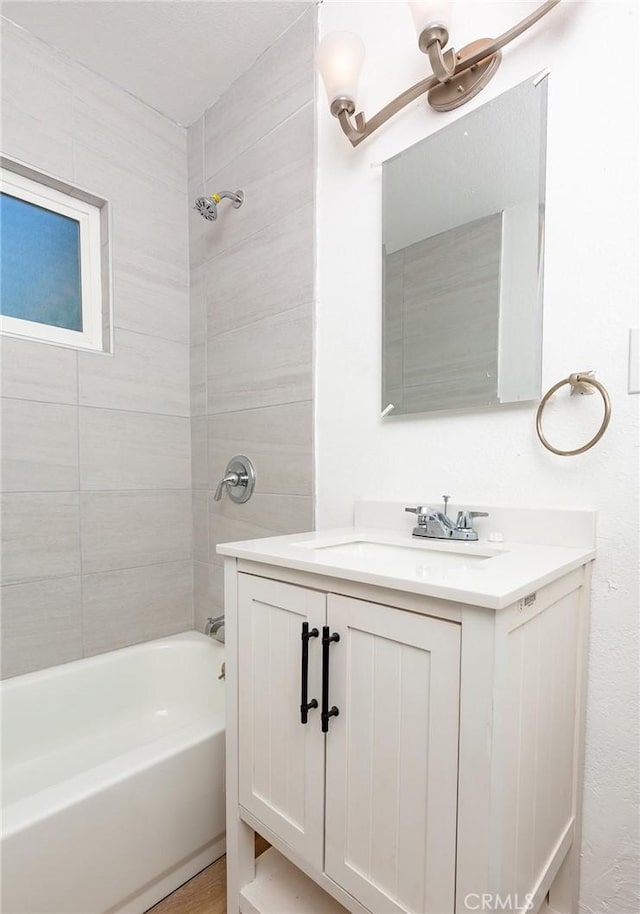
column 88, row 217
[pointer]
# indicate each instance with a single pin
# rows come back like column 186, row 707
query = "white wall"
column 590, row 302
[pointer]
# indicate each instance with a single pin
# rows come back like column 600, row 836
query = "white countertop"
column 495, row 575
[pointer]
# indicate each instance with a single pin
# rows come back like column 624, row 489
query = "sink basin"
column 426, row 556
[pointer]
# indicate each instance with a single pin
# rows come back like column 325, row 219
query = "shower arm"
column 236, row 197
column 344, row 108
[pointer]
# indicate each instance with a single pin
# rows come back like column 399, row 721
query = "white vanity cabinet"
column 374, row 808
column 392, row 757
column 281, row 762
column 452, row 769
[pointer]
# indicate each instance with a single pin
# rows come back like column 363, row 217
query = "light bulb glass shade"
column 430, row 12
column 340, row 56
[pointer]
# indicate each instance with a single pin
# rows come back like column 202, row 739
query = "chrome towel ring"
column 581, row 382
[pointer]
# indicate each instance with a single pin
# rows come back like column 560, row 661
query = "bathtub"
column 113, row 778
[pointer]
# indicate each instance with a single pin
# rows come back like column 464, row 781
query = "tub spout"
column 215, row 628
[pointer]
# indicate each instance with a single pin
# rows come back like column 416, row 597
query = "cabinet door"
column 392, row 757
column 281, row 766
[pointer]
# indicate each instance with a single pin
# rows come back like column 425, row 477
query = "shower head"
column 208, row 206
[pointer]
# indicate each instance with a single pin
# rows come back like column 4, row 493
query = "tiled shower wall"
column 96, row 470
column 252, row 298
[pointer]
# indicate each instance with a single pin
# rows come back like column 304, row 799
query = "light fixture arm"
column 451, row 63
column 442, row 70
column 431, row 42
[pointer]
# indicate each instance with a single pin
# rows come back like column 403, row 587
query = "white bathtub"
column 113, row 778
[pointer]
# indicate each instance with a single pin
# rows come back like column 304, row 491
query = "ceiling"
column 178, row 56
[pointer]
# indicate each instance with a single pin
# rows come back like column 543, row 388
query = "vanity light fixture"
column 457, row 75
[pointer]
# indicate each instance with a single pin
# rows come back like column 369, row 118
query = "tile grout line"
column 245, row 409
column 255, row 409
column 80, row 541
column 202, row 308
column 110, row 409
column 190, row 379
column 205, row 317
column 80, row 492
column 255, row 143
column 152, row 336
column 240, row 243
column 302, row 306
column 89, row 574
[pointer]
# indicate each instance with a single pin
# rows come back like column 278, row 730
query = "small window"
column 51, row 285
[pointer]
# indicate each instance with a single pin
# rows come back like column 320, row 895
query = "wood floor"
column 206, row 893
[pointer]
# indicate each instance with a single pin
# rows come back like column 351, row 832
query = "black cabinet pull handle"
column 305, row 704
column 326, row 713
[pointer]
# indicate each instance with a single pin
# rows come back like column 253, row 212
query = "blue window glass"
column 40, row 265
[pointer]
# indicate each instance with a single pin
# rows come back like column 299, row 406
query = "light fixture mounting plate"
column 466, row 85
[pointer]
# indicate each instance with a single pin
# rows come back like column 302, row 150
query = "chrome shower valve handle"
column 231, row 479
column 239, row 480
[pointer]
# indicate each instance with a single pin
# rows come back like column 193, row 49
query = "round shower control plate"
column 247, row 476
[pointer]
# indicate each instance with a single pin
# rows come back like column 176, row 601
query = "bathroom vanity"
column 405, row 715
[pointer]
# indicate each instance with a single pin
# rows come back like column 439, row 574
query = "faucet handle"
column 239, row 478
column 465, row 519
column 231, row 479
column 421, row 509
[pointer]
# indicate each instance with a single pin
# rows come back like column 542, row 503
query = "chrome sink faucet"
column 438, row 525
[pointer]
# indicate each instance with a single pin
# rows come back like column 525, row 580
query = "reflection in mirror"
column 462, row 239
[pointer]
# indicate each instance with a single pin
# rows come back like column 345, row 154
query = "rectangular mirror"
column 462, row 245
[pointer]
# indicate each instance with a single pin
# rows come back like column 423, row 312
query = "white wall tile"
column 263, row 515
column 195, row 152
column 208, row 593
column 41, row 625
column 199, row 228
column 262, row 364
column 148, row 302
column 148, row 220
column 126, row 130
column 129, row 529
column 198, row 304
column 126, row 450
column 200, row 508
column 37, row 371
column 263, row 275
column 258, row 287
column 135, row 404
column 37, row 118
column 136, row 604
column 280, row 82
column 199, row 479
column 278, row 439
column 276, row 175
column 198, row 379
column 145, row 374
column 39, row 446
column 40, row 536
